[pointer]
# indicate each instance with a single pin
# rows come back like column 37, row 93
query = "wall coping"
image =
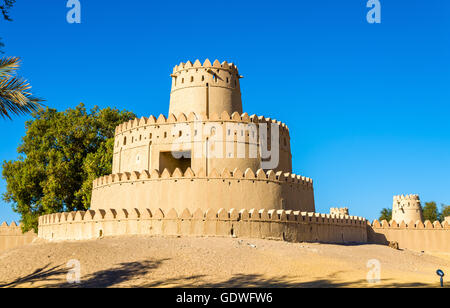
column 193, row 117
column 208, row 215
column 236, row 174
column 418, row 225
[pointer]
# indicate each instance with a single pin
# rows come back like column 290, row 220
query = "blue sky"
column 367, row 104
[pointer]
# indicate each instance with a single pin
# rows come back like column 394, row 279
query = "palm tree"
column 15, row 95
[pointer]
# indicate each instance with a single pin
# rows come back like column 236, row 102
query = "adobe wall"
column 273, row 224
column 418, row 236
column 11, row 236
column 138, row 143
column 266, row 190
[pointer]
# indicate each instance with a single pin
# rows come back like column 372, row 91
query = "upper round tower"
column 407, row 208
column 205, row 89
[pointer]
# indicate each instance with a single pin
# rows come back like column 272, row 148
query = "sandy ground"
column 139, row 261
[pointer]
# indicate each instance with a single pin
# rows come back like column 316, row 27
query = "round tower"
column 205, row 89
column 407, row 208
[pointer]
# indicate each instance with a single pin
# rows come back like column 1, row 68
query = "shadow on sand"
column 136, row 274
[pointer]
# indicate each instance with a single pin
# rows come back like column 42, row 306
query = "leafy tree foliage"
column 60, row 155
column 430, row 211
column 386, row 214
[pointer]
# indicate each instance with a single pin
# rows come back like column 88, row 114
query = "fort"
column 210, row 169
column 206, row 154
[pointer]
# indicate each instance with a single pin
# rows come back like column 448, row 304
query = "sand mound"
column 139, row 261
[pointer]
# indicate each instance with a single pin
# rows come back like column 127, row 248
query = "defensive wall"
column 178, row 190
column 433, row 237
column 293, row 226
column 290, row 226
column 11, row 236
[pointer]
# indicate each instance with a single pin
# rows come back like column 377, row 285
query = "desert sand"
column 140, row 261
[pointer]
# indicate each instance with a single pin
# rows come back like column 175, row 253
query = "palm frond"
column 16, row 98
column 8, row 66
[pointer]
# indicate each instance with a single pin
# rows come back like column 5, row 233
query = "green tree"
column 60, row 155
column 430, row 211
column 386, row 214
column 445, row 212
column 15, row 95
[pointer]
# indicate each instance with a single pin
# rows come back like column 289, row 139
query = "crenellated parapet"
column 411, row 197
column 418, row 225
column 181, row 118
column 11, row 236
column 288, row 225
column 209, row 214
column 236, row 174
column 10, row 229
column 418, row 235
column 230, row 67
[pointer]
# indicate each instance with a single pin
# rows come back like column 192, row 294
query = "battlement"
column 209, row 214
column 193, row 117
column 411, row 197
column 206, row 65
column 236, row 174
column 11, row 236
column 284, row 225
column 5, row 228
column 411, row 235
column 419, row 225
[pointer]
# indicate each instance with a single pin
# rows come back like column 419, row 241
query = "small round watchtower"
column 407, row 208
column 205, row 89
